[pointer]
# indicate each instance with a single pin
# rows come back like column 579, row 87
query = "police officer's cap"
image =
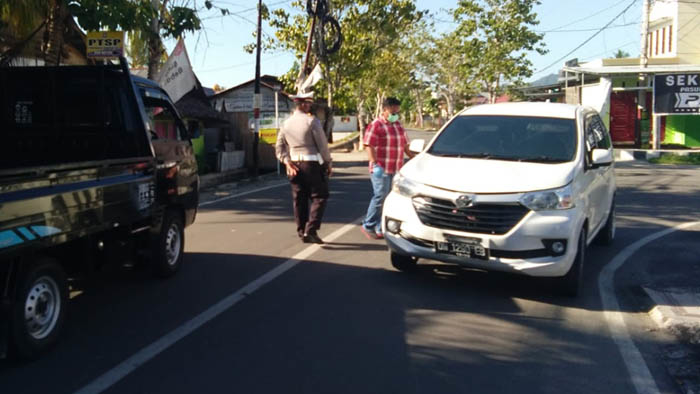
column 303, row 97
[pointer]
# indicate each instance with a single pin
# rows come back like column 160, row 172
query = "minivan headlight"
column 549, row 199
column 404, row 186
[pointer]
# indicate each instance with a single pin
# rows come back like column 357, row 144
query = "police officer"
column 303, row 148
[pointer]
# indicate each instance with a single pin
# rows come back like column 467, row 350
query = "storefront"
column 628, row 107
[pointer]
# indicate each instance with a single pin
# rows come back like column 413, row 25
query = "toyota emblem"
column 464, row 201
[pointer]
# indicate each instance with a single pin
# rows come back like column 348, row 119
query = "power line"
column 582, row 30
column 240, row 64
column 589, row 16
column 588, row 39
column 614, row 49
column 245, row 11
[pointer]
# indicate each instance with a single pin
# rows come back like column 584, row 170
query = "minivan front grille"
column 492, row 218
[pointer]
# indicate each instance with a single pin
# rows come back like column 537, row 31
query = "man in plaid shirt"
column 386, row 143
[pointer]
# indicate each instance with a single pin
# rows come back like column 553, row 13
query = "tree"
column 495, row 37
column 149, row 21
column 370, row 29
column 448, row 65
column 21, row 20
column 621, row 54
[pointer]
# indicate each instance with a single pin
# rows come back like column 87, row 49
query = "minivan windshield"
column 518, row 138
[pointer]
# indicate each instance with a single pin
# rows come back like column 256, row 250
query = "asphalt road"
column 341, row 320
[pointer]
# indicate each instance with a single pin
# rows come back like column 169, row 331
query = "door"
column 602, row 186
column 177, row 165
column 623, row 116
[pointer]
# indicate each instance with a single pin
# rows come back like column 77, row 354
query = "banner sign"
column 105, row 44
column 268, row 136
column 177, row 77
column 677, row 93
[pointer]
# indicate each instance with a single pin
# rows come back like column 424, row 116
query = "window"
column 663, row 40
column 656, row 42
column 597, row 136
column 508, row 138
column 66, row 115
column 164, row 123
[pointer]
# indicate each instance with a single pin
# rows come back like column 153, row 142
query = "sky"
column 218, row 57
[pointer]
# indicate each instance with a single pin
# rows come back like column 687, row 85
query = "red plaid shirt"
column 389, row 141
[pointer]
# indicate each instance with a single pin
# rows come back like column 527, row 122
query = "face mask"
column 393, row 118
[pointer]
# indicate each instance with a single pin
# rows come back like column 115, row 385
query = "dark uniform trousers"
column 310, row 183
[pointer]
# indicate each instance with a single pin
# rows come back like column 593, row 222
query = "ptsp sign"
column 105, row 44
column 677, row 93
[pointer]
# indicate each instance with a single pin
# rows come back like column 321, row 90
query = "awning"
column 633, row 70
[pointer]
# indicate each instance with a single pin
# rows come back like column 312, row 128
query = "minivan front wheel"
column 403, row 262
column 570, row 284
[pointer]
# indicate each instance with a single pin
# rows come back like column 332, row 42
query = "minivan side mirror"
column 601, row 157
column 417, row 146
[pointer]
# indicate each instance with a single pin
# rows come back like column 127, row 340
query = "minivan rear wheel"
column 403, row 262
column 570, row 284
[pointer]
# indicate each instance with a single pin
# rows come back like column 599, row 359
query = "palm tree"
column 21, row 20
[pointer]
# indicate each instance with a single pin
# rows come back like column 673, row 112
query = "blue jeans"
column 381, row 186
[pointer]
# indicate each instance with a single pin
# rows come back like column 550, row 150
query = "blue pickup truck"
column 87, row 179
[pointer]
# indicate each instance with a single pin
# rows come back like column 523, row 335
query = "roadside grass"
column 676, row 159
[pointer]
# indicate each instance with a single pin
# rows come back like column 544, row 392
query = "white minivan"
column 515, row 187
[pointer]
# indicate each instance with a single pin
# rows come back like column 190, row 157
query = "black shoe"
column 312, row 238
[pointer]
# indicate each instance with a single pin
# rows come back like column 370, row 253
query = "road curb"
column 677, row 310
column 646, row 154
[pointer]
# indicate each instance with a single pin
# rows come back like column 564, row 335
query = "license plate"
column 463, row 249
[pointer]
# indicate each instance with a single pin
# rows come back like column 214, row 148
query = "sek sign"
column 676, row 93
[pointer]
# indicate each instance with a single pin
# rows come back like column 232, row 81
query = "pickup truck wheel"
column 403, row 263
column 606, row 236
column 570, row 284
column 39, row 309
column 169, row 246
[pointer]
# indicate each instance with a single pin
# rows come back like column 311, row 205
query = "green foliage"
column 367, row 57
column 495, row 37
column 621, row 54
column 389, row 49
column 21, row 17
column 135, row 15
column 676, row 159
column 137, row 50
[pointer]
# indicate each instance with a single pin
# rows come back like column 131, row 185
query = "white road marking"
column 244, row 193
column 114, row 375
column 636, row 366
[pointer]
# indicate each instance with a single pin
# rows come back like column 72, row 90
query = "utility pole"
column 644, row 45
column 643, row 62
column 257, row 97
